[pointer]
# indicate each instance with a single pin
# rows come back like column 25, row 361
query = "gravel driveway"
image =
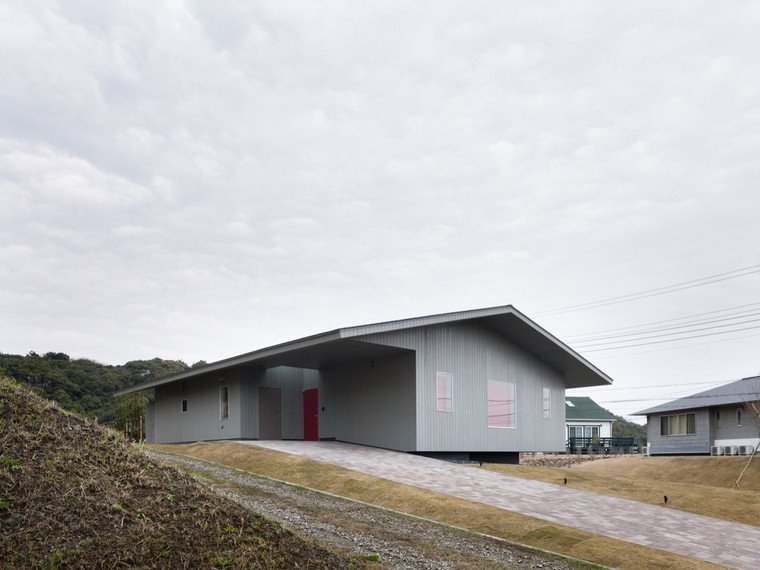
column 393, row 539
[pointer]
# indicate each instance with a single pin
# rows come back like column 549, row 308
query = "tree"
column 752, row 404
column 623, row 428
column 130, row 414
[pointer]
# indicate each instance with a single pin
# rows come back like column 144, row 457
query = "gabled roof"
column 351, row 343
column 584, row 408
column 739, row 392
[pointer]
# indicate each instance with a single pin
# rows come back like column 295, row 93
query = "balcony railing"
column 602, row 445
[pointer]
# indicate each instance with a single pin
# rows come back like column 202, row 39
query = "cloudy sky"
column 194, row 180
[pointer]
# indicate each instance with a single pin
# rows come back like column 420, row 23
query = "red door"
column 311, row 415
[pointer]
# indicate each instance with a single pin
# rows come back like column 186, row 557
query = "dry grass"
column 701, row 485
column 450, row 510
column 75, row 495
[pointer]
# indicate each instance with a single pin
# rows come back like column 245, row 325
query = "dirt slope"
column 74, row 495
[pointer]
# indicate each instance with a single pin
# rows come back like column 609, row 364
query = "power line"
column 657, row 291
column 581, row 337
column 662, row 349
column 681, row 334
column 670, row 339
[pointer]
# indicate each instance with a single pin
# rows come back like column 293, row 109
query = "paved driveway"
column 714, row 540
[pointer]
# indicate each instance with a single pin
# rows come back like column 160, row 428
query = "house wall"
column 202, row 421
column 474, row 354
column 370, row 405
column 726, row 431
column 679, row 444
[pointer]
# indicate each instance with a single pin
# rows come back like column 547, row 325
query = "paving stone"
column 718, row 541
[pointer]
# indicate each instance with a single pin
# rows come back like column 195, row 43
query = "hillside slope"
column 73, row 494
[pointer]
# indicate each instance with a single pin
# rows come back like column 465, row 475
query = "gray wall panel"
column 727, row 427
column 370, row 405
column 474, row 354
column 679, row 444
column 202, row 420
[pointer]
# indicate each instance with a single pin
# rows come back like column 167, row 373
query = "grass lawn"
column 702, row 485
column 490, row 520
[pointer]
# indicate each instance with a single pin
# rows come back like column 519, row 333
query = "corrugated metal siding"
column 250, row 380
column 292, row 382
column 679, row 444
column 202, row 420
column 370, row 405
column 475, row 354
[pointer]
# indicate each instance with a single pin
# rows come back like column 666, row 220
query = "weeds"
column 69, row 465
column 11, row 463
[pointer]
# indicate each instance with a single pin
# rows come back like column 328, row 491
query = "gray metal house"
column 717, row 421
column 487, row 383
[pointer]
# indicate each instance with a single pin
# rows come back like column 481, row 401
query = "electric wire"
column 656, row 291
column 606, row 341
column 599, row 335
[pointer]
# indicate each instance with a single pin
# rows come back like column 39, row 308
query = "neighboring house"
column 716, row 421
column 481, row 384
column 586, row 419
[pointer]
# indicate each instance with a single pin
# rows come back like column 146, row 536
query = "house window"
column 184, row 406
column 547, row 404
column 678, row 424
column 717, row 418
column 224, row 408
column 501, row 404
column 739, row 417
column 583, row 431
column 443, row 395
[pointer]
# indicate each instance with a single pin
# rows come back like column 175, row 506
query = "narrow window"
column 738, row 417
column 184, row 406
column 501, row 404
column 665, row 425
column 547, row 404
column 717, row 418
column 443, row 395
column 691, row 424
column 224, row 410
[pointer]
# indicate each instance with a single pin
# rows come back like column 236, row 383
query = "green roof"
column 583, row 408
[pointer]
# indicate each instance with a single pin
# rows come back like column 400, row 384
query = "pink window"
column 443, row 395
column 501, row 404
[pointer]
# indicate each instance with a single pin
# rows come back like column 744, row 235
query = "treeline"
column 81, row 385
column 623, row 428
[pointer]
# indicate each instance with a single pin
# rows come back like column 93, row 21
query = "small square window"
column 184, row 406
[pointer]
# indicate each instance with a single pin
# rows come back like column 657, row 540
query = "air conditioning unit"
column 716, row 450
column 732, row 450
column 747, row 449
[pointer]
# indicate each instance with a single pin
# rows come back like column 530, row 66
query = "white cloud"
column 197, row 180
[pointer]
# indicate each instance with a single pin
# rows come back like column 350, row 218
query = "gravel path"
column 396, row 540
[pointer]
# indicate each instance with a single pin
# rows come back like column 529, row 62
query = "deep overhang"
column 347, row 344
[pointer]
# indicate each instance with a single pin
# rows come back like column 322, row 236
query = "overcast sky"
column 195, row 180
